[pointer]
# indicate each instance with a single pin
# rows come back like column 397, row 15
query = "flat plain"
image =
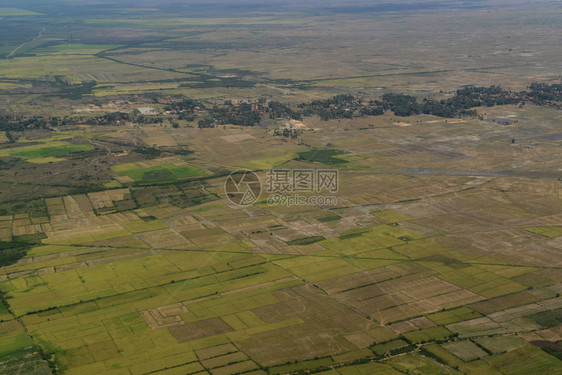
column 441, row 256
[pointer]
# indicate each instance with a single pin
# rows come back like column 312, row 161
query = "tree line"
column 461, row 104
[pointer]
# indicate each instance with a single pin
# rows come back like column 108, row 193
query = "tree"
column 206, row 123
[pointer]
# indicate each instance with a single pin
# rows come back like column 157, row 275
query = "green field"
column 465, row 350
column 17, row 12
column 45, row 152
column 322, row 156
column 546, row 231
column 50, row 152
column 161, row 174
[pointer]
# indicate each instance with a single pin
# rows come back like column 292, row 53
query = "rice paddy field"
column 123, row 253
column 156, row 172
column 448, row 272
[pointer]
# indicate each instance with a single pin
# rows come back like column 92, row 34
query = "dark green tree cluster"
column 18, row 123
column 149, row 151
column 12, row 251
column 337, row 101
column 142, row 119
column 280, row 110
column 340, row 106
column 444, row 108
column 457, row 106
column 401, row 105
column 472, row 96
column 374, row 108
column 206, row 123
column 112, row 118
column 185, row 108
column 75, row 92
column 544, row 94
column 242, row 114
column 287, row 133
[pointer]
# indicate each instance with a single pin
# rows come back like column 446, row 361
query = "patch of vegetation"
column 382, row 349
column 545, row 94
column 547, row 319
column 340, row 106
column 304, row 367
column 10, row 137
column 220, row 82
column 186, row 106
column 280, row 110
column 325, row 219
column 552, row 348
column 157, row 176
column 287, row 133
column 305, row 241
column 76, row 91
column 352, row 233
column 243, row 114
column 55, row 151
column 5, row 12
column 182, row 195
column 555, row 352
column 161, row 174
column 34, row 208
column 322, row 156
column 18, row 123
column 114, row 118
column 553, row 231
column 460, row 105
column 14, row 250
column 451, row 262
column 149, row 218
column 149, row 151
